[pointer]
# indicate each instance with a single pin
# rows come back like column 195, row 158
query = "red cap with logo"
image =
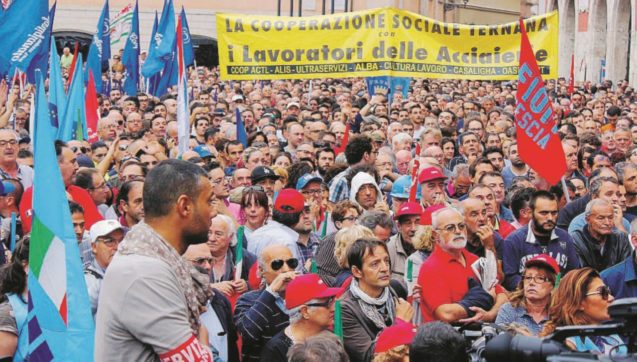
column 399, row 334
column 289, row 201
column 305, row 288
column 430, row 174
column 409, row 208
column 543, row 260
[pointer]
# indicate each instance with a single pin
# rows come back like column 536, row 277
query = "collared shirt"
column 397, row 255
column 509, row 314
column 25, row 176
column 339, row 189
column 216, row 333
column 93, row 275
column 307, row 251
column 622, row 279
column 579, row 222
column 85, row 250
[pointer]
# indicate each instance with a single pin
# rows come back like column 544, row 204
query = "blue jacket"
column 521, row 245
column 258, row 318
column 622, row 279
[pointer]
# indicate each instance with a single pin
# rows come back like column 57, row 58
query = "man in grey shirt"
column 150, row 301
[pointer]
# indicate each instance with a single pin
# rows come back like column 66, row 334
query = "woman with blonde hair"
column 582, row 298
column 344, row 239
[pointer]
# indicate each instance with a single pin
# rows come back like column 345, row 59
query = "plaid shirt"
column 307, row 252
column 339, row 189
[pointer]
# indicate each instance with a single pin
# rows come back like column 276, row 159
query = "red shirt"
column 444, row 281
column 78, row 194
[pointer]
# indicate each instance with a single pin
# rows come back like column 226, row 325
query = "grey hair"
column 229, row 223
column 402, row 136
column 436, row 215
column 597, row 183
column 371, row 219
column 621, row 168
column 461, row 169
column 633, row 227
column 595, row 202
column 295, row 313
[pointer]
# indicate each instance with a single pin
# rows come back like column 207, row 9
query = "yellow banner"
column 378, row 42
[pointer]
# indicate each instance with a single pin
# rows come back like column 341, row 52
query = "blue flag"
column 75, row 111
column 162, row 44
column 40, row 61
column 189, row 52
column 168, row 76
column 130, row 58
column 23, row 29
column 391, row 84
column 99, row 50
column 242, row 136
column 57, row 95
column 60, row 323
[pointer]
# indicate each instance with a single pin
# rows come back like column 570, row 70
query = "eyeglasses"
column 110, row 242
column 277, row 264
column 603, row 292
column 253, row 188
column 326, row 304
column 9, row 142
column 82, row 149
column 132, row 178
column 536, row 279
column 350, row 218
column 100, row 186
column 312, row 192
column 452, row 228
column 200, row 261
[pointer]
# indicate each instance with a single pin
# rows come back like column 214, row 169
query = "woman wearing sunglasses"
column 582, row 299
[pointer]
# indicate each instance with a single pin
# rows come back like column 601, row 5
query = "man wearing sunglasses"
column 260, row 314
column 311, row 306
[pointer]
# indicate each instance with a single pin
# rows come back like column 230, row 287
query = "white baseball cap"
column 104, row 227
column 293, row 104
column 237, row 97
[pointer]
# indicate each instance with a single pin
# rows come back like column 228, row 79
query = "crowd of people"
column 312, row 241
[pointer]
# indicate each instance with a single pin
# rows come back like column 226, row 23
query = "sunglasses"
column 603, row 292
column 82, row 149
column 325, row 304
column 277, row 264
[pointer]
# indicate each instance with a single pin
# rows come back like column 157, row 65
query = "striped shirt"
column 339, row 189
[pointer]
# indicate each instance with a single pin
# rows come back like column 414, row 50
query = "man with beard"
column 450, row 290
column 540, row 236
column 151, row 281
column 516, row 168
column 131, row 203
column 221, row 187
column 325, row 160
column 400, row 245
column 105, row 237
column 598, row 245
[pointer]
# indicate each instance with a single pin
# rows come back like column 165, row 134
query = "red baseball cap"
column 543, row 260
column 425, row 218
column 305, row 288
column 399, row 334
column 409, row 208
column 430, row 174
column 289, row 201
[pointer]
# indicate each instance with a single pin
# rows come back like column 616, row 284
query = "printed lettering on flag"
column 6, row 4
column 538, row 142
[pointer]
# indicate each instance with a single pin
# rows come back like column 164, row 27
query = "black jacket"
column 616, row 249
column 223, row 309
column 572, row 209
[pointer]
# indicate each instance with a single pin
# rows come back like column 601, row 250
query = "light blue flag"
column 130, row 58
column 23, row 27
column 57, row 95
column 75, row 110
column 391, row 85
column 242, row 136
column 99, row 52
column 40, row 60
column 189, row 52
column 162, row 44
column 60, row 324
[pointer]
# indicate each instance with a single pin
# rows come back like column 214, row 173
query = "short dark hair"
column 75, row 208
column 479, row 161
column 520, row 199
column 98, row 144
column 541, row 194
column 491, row 150
column 167, row 182
column 287, row 219
column 59, row 146
column 122, row 195
column 361, row 247
column 438, row 342
column 84, row 178
column 356, row 149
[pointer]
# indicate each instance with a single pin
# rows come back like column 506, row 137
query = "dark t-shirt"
column 277, row 348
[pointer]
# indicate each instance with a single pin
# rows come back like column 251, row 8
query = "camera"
column 508, row 347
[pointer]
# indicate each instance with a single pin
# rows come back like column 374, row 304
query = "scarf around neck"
column 370, row 305
column 143, row 240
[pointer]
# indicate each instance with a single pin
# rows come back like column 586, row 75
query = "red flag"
column 571, row 81
column 538, row 142
column 340, row 149
column 72, row 67
column 414, row 179
column 92, row 108
column 417, row 149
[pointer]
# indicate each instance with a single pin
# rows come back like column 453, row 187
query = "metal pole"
column 278, row 7
column 300, row 8
column 351, row 5
column 333, row 1
column 291, row 7
column 346, row 5
column 323, row 8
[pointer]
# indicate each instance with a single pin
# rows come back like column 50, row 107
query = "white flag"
column 121, row 25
